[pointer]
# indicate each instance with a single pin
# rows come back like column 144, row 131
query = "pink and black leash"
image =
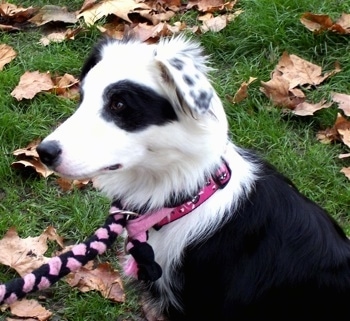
column 59, row 266
column 142, row 265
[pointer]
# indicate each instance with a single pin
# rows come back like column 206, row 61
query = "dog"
column 152, row 132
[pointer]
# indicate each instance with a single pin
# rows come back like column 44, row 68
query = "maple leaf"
column 7, row 54
column 308, row 109
column 25, row 255
column 300, row 72
column 30, row 309
column 344, row 102
column 52, row 13
column 119, row 8
column 103, row 278
column 32, row 83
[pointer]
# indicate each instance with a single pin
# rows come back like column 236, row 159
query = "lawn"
column 250, row 46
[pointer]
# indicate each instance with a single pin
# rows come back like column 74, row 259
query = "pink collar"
column 166, row 215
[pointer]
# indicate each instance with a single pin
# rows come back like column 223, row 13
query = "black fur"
column 134, row 97
column 280, row 257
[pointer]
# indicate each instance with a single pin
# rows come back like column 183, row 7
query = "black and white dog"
column 153, row 133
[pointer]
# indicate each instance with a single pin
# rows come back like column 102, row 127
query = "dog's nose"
column 49, row 152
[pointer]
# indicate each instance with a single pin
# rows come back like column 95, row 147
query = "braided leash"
column 61, row 265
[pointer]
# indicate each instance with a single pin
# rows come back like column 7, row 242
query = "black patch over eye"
column 116, row 105
column 133, row 106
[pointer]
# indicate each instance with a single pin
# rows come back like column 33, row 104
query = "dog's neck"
column 171, row 213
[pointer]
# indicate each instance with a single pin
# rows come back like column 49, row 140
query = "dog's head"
column 142, row 106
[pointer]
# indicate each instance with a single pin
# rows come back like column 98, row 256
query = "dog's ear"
column 183, row 70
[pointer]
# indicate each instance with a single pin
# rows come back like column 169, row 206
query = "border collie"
column 152, row 132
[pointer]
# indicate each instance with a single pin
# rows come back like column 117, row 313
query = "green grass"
column 250, row 46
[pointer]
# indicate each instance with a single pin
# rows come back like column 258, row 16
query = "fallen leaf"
column 300, row 72
column 30, row 308
column 35, row 164
column 58, row 35
column 277, row 90
column 308, row 109
column 103, row 278
column 119, row 8
column 32, row 83
column 344, row 102
column 66, row 86
column 25, row 255
column 28, row 157
column 242, row 92
column 214, row 24
column 316, row 22
column 346, row 171
column 68, row 184
column 330, row 135
column 52, row 13
column 322, row 22
column 7, row 54
column 345, row 136
column 15, row 14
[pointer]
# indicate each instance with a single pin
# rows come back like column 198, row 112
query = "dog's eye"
column 117, row 106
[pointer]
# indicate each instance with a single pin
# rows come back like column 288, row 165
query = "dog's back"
column 157, row 132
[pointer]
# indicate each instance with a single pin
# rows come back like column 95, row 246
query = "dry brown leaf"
column 25, row 255
column 322, row 22
column 242, row 92
column 119, row 8
column 214, row 24
column 66, row 86
column 344, row 23
column 16, row 14
column 7, row 54
column 52, row 13
column 103, row 278
column 308, row 109
column 330, row 135
column 30, row 308
column 68, row 184
column 277, row 90
column 35, row 164
column 58, row 35
column 346, row 171
column 300, row 72
column 345, row 136
column 32, row 83
column 87, row 5
column 316, row 22
column 211, row 5
column 344, row 102
column 28, row 157
column 29, row 150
